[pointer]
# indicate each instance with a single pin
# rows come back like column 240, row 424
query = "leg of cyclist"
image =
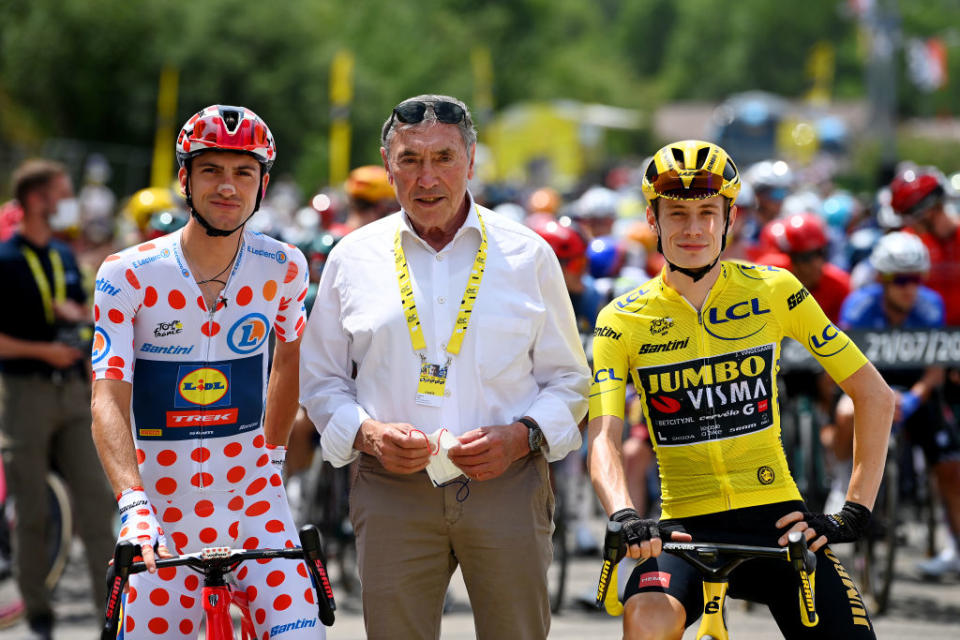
column 93, row 505
column 504, row 560
column 28, row 418
column 840, row 609
column 403, row 550
column 282, row 598
column 663, row 597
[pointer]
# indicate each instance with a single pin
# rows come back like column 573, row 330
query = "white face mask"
column 441, row 469
column 67, row 215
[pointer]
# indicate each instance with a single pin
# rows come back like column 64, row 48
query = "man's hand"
column 400, row 447
column 138, row 524
column 486, row 452
column 60, row 356
column 71, row 311
column 642, row 535
column 846, row 526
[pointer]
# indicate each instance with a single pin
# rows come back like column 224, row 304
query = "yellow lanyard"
column 466, row 304
column 59, row 280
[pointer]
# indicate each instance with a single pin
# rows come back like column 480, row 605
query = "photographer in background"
column 45, row 392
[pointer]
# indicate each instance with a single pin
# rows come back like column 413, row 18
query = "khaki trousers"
column 43, row 420
column 411, row 536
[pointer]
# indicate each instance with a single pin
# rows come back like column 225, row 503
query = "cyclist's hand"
column 821, row 528
column 400, row 447
column 642, row 535
column 139, row 525
column 486, row 452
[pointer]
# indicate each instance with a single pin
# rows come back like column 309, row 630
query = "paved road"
column 930, row 611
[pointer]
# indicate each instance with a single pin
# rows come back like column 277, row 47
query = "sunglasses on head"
column 902, row 279
column 414, row 111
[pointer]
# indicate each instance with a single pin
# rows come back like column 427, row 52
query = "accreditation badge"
column 433, row 377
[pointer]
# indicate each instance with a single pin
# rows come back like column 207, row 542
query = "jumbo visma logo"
column 248, row 333
column 204, row 386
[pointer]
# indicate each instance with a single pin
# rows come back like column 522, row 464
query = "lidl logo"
column 203, row 386
column 248, row 333
column 101, row 345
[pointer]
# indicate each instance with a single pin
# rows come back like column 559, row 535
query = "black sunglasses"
column 413, row 112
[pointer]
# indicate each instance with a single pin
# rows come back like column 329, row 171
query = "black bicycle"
column 715, row 562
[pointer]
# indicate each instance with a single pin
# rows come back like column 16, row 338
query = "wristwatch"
column 534, row 434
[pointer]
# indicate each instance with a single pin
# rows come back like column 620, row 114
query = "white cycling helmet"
column 597, row 202
column 900, row 252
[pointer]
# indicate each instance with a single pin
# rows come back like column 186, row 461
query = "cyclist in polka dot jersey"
column 189, row 432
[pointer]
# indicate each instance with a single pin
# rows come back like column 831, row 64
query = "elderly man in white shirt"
column 444, row 334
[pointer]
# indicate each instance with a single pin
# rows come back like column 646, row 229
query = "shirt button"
column 441, row 299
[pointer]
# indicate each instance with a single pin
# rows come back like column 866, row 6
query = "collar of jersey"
column 673, row 295
column 472, row 222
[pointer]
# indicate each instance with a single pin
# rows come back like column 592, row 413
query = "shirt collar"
column 472, row 222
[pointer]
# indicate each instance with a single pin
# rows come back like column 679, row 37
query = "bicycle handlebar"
column 214, row 563
column 715, row 561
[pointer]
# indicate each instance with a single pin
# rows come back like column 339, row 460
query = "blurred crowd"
column 877, row 260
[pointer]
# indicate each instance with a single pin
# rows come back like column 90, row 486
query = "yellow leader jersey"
column 707, row 381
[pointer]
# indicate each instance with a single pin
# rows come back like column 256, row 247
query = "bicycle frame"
column 216, row 595
column 708, row 558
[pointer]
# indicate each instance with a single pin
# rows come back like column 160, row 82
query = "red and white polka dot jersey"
column 199, row 389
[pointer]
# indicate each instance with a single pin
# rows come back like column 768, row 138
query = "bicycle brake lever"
column 117, row 574
column 317, row 564
column 613, row 551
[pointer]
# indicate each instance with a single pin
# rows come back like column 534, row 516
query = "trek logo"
column 737, row 311
column 825, row 343
column 201, row 418
column 203, row 386
column 105, row 286
column 248, row 333
column 673, row 345
column 606, row 332
column 101, row 345
column 291, row 626
column 660, row 326
column 797, row 298
column 604, row 375
column 167, row 328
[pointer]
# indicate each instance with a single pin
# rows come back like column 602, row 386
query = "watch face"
column 535, row 439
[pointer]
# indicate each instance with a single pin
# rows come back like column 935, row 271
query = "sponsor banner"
column 887, row 349
column 177, row 400
column 711, row 398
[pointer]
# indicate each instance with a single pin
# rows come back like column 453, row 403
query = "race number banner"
column 887, row 349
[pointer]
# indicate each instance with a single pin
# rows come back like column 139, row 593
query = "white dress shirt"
column 521, row 355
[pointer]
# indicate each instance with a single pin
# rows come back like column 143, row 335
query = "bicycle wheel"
column 59, row 535
column 557, row 572
column 876, row 551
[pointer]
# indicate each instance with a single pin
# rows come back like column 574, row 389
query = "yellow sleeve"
column 804, row 321
column 610, row 365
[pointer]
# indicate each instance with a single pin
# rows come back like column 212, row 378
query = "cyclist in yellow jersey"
column 701, row 342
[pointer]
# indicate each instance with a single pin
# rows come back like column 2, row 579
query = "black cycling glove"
column 635, row 528
column 846, row 526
